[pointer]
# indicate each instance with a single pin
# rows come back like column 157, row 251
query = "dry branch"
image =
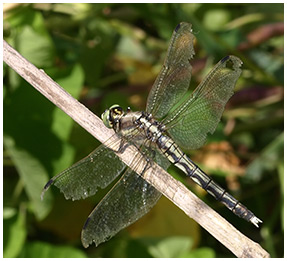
column 195, row 208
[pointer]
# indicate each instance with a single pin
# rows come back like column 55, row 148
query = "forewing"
column 126, row 202
column 199, row 115
column 83, row 179
column 174, row 77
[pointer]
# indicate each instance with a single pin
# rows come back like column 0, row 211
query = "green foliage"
column 111, row 53
column 39, row 249
column 171, row 247
column 14, row 231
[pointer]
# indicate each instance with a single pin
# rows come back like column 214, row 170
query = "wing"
column 126, row 202
column 199, row 115
column 82, row 179
column 174, row 77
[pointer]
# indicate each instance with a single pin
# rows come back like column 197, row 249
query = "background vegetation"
column 111, row 53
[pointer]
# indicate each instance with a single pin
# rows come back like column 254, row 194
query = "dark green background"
column 111, row 53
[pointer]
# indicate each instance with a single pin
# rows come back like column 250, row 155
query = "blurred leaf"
column 35, row 47
column 19, row 15
column 96, row 50
column 14, row 234
column 243, row 20
column 170, row 247
column 267, row 62
column 32, row 40
column 32, row 172
column 203, row 252
column 215, row 19
column 268, row 160
column 41, row 149
column 281, row 181
column 46, row 250
column 9, row 212
column 129, row 47
column 72, row 81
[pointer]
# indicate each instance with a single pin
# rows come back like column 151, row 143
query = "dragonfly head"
column 112, row 115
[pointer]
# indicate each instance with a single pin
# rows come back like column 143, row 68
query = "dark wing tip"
column 183, row 26
column 85, row 238
column 46, row 187
column 225, row 58
column 49, row 183
column 235, row 61
column 86, row 223
column 177, row 27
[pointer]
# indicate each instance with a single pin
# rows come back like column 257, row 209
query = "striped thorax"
column 138, row 125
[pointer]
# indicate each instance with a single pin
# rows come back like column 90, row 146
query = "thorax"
column 140, row 125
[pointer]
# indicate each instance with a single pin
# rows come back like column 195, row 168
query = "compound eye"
column 117, row 110
column 104, row 114
column 106, row 118
column 112, row 115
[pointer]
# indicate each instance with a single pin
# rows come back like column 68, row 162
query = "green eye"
column 117, row 110
column 109, row 115
column 106, row 118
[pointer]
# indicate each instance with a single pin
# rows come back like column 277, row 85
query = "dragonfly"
column 171, row 122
